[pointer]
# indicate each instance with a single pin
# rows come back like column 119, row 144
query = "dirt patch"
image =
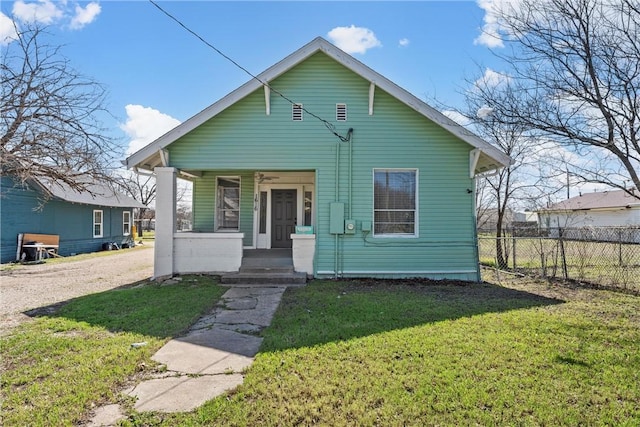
column 28, row 289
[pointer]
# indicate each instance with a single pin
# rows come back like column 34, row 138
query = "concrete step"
column 264, row 278
column 266, row 270
column 267, row 262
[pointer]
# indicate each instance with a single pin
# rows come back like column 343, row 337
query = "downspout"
column 338, row 256
column 350, row 180
column 336, row 243
column 476, row 251
column 350, row 138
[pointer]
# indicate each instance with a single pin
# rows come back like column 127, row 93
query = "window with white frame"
column 98, row 219
column 228, row 204
column 394, row 202
column 126, row 223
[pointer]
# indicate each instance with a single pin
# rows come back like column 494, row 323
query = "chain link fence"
column 604, row 256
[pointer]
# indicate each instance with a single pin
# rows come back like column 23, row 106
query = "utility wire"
column 328, row 125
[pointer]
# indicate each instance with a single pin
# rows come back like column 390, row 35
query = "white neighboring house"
column 606, row 209
column 525, row 216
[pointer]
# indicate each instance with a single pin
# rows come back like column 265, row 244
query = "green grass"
column 603, row 263
column 391, row 354
column 72, row 258
column 366, row 353
column 90, row 255
column 57, row 367
column 149, row 235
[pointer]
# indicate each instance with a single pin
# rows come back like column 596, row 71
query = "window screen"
column 228, row 203
column 394, row 202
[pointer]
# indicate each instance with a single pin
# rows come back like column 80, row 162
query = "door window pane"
column 263, row 212
column 308, row 204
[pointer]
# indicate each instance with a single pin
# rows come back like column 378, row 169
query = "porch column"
column 165, row 221
column 303, row 252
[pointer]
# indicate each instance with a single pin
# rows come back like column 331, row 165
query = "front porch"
column 223, row 253
column 254, row 215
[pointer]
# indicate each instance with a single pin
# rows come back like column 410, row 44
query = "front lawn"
column 350, row 353
column 58, row 367
column 394, row 354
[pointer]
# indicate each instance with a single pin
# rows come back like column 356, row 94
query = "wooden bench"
column 45, row 245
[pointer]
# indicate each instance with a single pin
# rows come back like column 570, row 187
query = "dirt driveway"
column 27, row 287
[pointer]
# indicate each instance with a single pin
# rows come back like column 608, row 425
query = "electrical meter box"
column 336, row 218
column 350, row 226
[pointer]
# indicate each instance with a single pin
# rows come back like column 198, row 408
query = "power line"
column 327, row 124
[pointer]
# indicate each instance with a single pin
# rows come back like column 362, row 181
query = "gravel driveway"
column 32, row 286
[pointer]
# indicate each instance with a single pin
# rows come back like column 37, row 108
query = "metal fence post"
column 565, row 271
column 513, row 244
column 620, row 247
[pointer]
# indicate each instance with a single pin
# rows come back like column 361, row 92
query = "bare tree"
column 141, row 187
column 516, row 184
column 49, row 123
column 576, row 68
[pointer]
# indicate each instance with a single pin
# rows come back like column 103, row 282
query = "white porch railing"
column 304, row 248
column 207, row 252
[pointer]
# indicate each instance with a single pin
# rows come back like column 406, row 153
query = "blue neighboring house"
column 84, row 220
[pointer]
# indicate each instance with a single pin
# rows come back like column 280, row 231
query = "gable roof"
column 96, row 194
column 604, row 200
column 489, row 157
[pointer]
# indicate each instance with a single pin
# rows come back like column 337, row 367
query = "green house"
column 325, row 156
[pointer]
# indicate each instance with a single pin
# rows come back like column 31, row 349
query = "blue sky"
column 157, row 74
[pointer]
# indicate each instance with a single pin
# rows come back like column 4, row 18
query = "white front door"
column 280, row 206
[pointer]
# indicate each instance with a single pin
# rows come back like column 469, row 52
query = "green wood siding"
column 243, row 139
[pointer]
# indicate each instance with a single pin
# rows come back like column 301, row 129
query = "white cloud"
column 484, row 112
column 7, row 30
column 492, row 78
column 492, row 30
column 42, row 12
column 48, row 12
column 457, row 117
column 85, row 16
column 144, row 125
column 404, row 42
column 354, row 39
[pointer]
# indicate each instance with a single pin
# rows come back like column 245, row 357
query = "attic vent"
column 341, row 112
column 296, row 112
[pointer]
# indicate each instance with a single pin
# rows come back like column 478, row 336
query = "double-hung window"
column 97, row 223
column 126, row 223
column 228, row 204
column 395, row 202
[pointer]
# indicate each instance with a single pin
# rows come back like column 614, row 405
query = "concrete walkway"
column 207, row 361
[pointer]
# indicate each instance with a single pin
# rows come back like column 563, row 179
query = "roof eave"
column 145, row 158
